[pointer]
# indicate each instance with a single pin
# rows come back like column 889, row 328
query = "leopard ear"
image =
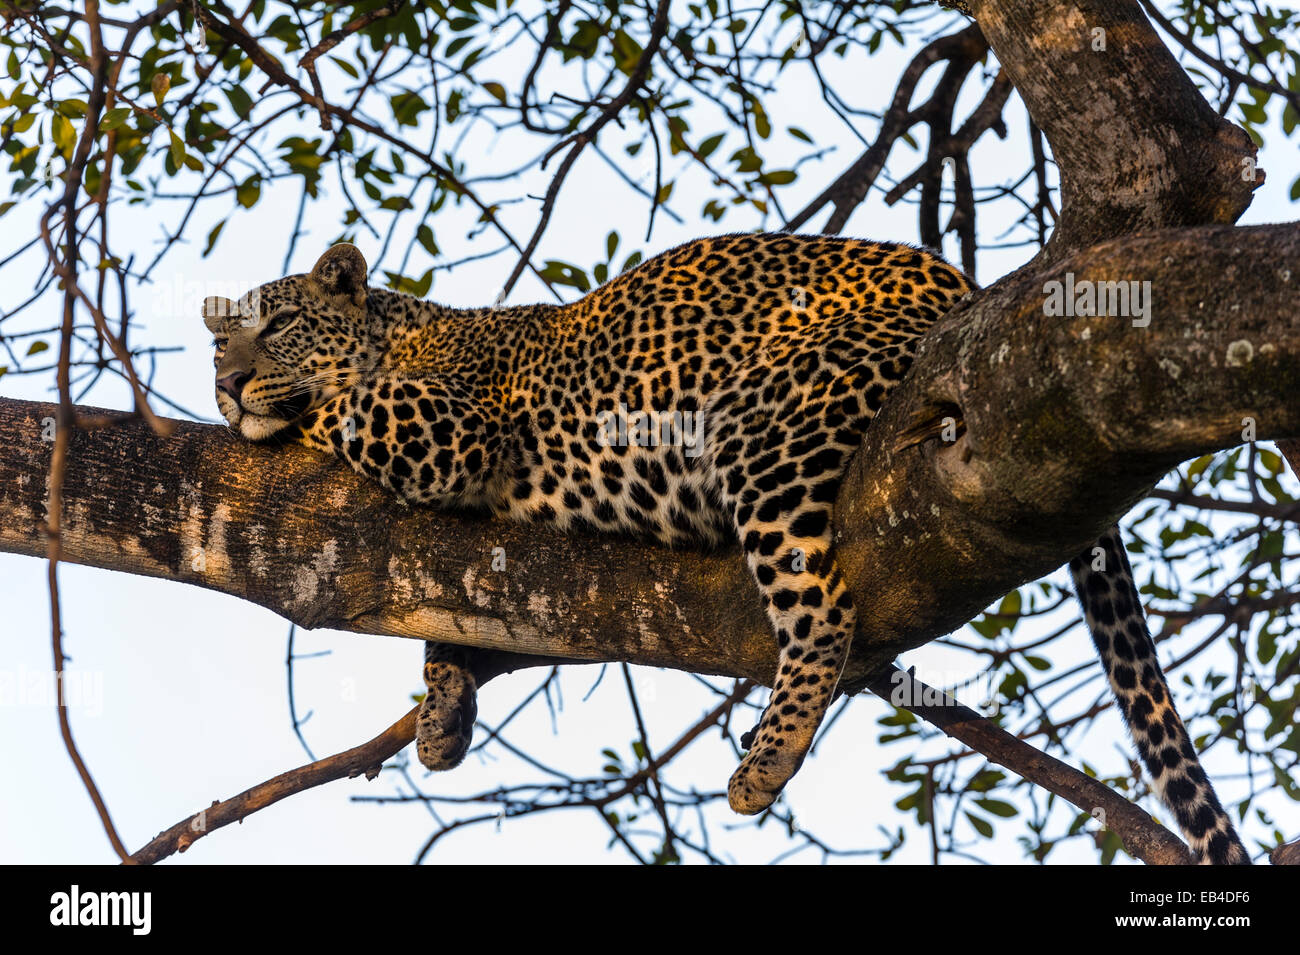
column 342, row 271
column 216, row 310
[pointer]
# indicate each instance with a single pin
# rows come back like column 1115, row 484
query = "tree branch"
column 1057, row 445
column 366, row 758
column 1137, row 145
column 1143, row 837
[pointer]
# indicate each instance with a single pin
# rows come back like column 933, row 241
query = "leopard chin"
column 264, row 427
column 257, row 427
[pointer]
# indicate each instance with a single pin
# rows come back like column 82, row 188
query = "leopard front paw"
column 444, row 726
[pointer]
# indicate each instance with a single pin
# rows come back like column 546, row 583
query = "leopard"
column 758, row 360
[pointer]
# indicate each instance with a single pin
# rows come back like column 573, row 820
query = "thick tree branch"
column 1058, row 443
column 1137, row 145
column 1067, row 421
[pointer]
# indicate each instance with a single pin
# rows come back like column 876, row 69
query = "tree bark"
column 1137, row 146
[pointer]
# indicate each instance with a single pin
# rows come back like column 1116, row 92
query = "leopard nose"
column 233, row 385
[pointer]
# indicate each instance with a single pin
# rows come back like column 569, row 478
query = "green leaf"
column 240, row 101
column 798, row 133
column 249, row 191
column 1197, row 468
column 997, row 807
column 982, row 826
column 417, row 287
column 423, row 285
column 91, row 177
column 1253, row 114
column 346, row 67
column 497, row 90
column 36, row 348
column 746, row 160
column 64, row 136
column 424, row 235
column 627, row 52
column 898, row 718
column 177, row 150
column 407, row 107
column 709, row 145
column 212, row 237
column 1267, row 646
column 985, row 780
column 778, row 177
column 562, row 273
column 115, row 117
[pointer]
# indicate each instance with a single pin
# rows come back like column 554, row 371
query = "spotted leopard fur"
column 784, row 345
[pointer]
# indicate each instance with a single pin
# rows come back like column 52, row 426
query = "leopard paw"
column 444, row 726
column 763, row 773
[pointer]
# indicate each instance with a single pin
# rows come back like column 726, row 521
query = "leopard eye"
column 280, row 321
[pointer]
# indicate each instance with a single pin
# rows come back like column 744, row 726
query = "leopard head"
column 291, row 344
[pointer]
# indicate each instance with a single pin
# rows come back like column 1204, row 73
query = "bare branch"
column 364, row 759
column 1143, row 837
